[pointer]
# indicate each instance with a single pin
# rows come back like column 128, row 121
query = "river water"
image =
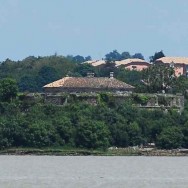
column 92, row 171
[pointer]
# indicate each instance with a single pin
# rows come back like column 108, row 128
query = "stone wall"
column 140, row 100
column 84, row 89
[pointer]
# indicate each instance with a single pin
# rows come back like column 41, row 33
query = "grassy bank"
column 86, row 152
column 67, row 152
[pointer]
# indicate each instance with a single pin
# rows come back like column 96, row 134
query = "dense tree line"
column 32, row 73
column 116, row 56
column 78, row 124
column 83, row 125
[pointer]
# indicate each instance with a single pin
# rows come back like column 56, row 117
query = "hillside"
column 25, row 123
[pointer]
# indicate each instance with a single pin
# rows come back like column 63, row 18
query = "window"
column 134, row 67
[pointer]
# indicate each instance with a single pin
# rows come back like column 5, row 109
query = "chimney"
column 111, row 75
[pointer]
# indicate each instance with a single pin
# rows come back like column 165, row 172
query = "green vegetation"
column 81, row 125
column 159, row 78
column 170, row 137
column 140, row 98
column 34, row 72
column 64, row 151
column 116, row 56
column 8, row 89
column 33, row 124
column 156, row 56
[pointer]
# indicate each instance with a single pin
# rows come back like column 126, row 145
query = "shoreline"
column 85, row 152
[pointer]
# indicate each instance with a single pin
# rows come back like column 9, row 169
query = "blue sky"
column 92, row 27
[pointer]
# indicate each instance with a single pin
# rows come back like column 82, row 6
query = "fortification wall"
column 85, row 90
column 164, row 101
column 140, row 100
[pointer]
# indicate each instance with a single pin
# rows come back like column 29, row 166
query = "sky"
column 92, row 27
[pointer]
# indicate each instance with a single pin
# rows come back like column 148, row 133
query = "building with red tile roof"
column 133, row 64
column 88, row 84
column 180, row 64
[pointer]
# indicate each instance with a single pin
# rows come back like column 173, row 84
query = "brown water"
column 86, row 172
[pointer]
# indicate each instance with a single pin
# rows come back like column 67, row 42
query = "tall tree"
column 46, row 75
column 79, row 59
column 138, row 55
column 83, row 69
column 28, row 83
column 156, row 56
column 158, row 78
column 88, row 58
column 8, row 89
column 113, row 56
column 125, row 55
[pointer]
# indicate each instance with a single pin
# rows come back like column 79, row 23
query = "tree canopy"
column 156, row 56
column 32, row 73
column 116, row 56
column 83, row 125
column 8, row 89
column 158, row 78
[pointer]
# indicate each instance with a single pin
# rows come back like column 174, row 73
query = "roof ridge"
column 178, row 60
column 90, row 82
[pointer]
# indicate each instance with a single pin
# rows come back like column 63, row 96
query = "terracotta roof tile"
column 95, row 63
column 130, row 60
column 180, row 60
column 88, row 82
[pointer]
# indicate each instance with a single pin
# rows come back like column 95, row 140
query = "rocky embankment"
column 147, row 151
column 157, row 152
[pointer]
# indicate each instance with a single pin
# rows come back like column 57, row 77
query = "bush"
column 170, row 138
column 92, row 135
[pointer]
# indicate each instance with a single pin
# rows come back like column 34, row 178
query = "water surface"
column 93, row 171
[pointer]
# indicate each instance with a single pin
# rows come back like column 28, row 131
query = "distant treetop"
column 116, row 56
column 156, row 56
